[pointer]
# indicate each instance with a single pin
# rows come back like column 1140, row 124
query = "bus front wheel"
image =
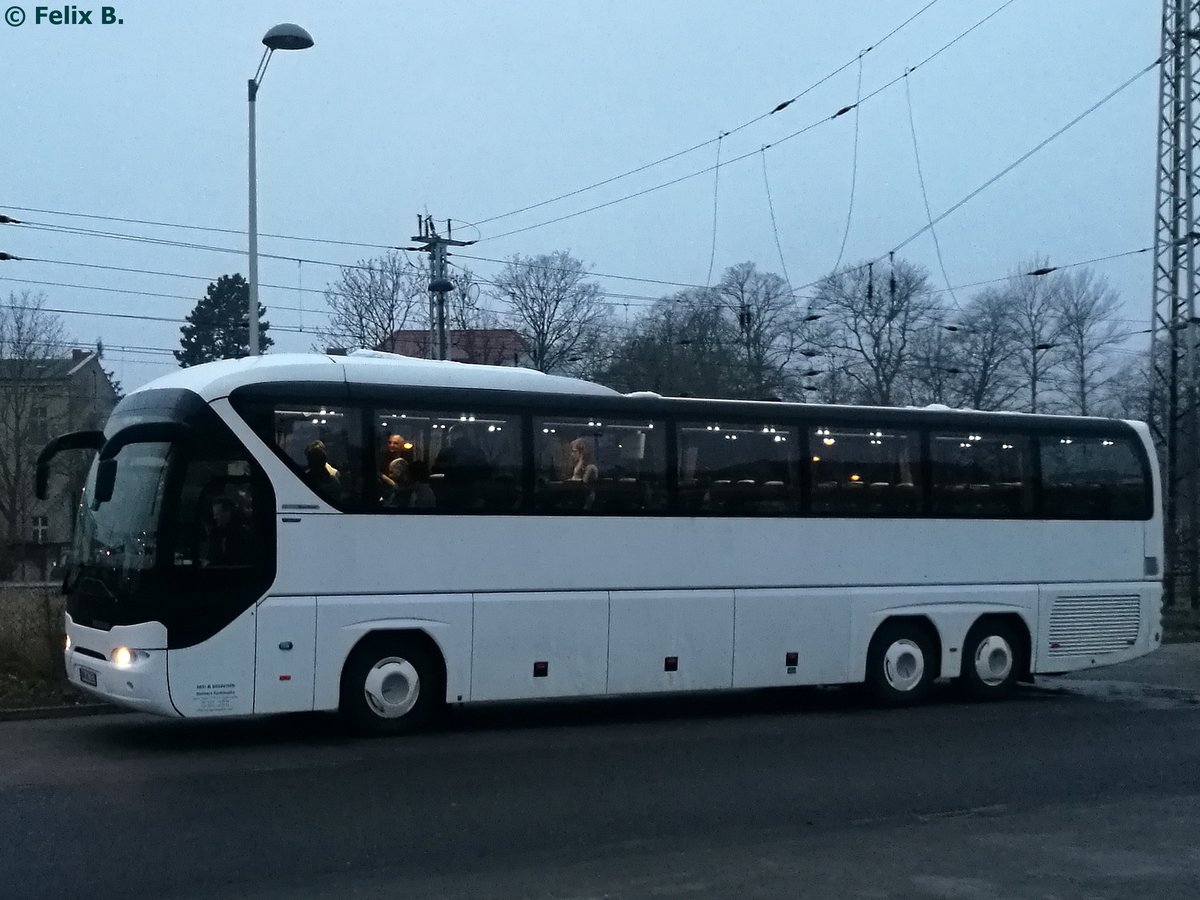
column 900, row 664
column 390, row 685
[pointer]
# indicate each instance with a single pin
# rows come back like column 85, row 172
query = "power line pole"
column 439, row 284
column 1173, row 395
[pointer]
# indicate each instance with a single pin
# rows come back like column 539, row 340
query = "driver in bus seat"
column 229, row 535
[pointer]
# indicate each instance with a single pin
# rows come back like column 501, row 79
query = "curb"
column 20, row 714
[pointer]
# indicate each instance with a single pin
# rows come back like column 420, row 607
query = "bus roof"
column 212, row 381
column 218, row 379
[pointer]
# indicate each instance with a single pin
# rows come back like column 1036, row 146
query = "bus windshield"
column 186, row 538
column 119, row 538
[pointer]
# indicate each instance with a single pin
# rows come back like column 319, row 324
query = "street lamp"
column 1034, row 370
column 282, row 37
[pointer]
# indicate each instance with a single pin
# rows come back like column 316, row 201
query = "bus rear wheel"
column 390, row 685
column 991, row 661
column 900, row 664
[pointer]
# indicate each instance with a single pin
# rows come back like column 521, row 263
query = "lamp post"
column 282, row 37
column 1035, row 370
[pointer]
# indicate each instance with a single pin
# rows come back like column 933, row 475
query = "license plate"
column 87, row 676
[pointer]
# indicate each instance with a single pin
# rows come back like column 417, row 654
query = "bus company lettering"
column 73, row 15
column 204, row 690
column 215, row 698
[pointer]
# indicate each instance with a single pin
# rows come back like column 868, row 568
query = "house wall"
column 78, row 396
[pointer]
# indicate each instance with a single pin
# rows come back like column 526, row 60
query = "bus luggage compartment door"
column 285, row 654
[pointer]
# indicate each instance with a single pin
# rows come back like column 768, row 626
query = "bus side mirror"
column 76, row 440
column 106, row 477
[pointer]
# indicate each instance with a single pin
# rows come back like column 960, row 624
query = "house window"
column 41, row 529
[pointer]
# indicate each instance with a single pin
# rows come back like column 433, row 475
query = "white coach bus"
column 381, row 536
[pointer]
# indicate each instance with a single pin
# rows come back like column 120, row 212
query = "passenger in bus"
column 229, row 535
column 320, row 475
column 461, row 457
column 408, row 491
column 463, row 469
column 584, row 470
column 583, row 466
column 396, row 448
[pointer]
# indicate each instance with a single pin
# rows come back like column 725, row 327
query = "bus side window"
column 596, row 465
column 857, row 471
column 981, row 475
column 738, row 468
column 458, row 462
column 1092, row 477
column 324, row 445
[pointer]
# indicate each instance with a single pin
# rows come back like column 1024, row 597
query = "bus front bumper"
column 136, row 681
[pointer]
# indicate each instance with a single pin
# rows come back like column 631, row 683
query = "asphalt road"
column 1057, row 793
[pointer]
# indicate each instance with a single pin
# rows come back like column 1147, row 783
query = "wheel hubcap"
column 392, row 687
column 904, row 665
column 993, row 660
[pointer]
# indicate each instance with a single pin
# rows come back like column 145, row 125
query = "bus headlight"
column 67, row 644
column 123, row 657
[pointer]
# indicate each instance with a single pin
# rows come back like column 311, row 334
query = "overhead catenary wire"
column 186, row 245
column 620, row 300
column 774, row 224
column 634, row 329
column 853, row 166
column 214, row 229
column 712, row 255
column 384, row 246
column 778, row 108
column 333, row 241
column 937, row 245
column 928, row 226
column 788, row 137
column 1024, row 156
column 526, row 263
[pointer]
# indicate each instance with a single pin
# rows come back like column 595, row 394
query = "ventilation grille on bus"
column 1082, row 625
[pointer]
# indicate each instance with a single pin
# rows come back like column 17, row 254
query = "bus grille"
column 1081, row 625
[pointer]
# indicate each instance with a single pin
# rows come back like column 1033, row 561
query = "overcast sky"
column 472, row 109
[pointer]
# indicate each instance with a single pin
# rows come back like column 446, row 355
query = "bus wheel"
column 991, row 661
column 390, row 685
column 900, row 664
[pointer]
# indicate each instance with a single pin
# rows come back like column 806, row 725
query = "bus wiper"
column 94, row 579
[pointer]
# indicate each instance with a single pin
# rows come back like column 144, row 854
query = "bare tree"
column 769, row 328
column 1087, row 310
column 1127, row 394
column 373, row 299
column 933, row 373
column 985, row 351
column 556, row 309
column 879, row 312
column 32, row 341
column 833, row 384
column 1036, row 328
column 683, row 345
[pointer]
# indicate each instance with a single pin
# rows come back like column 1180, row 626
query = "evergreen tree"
column 111, row 374
column 217, row 327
